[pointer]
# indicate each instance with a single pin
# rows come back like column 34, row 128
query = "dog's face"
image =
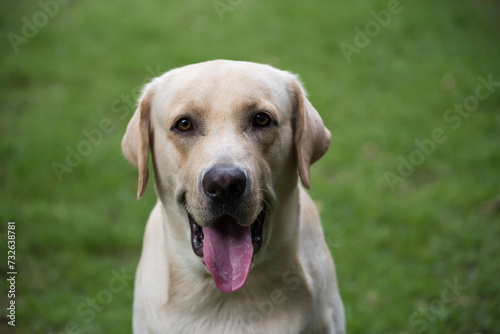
column 227, row 139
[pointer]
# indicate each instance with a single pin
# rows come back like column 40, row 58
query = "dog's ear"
column 135, row 142
column 312, row 138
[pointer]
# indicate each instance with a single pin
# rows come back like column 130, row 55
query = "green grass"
column 394, row 248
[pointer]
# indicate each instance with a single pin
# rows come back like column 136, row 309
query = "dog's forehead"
column 223, row 85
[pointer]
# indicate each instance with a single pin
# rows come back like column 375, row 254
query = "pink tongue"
column 227, row 251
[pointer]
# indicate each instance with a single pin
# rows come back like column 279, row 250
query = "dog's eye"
column 184, row 124
column 261, row 120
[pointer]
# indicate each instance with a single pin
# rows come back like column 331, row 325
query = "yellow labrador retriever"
column 234, row 244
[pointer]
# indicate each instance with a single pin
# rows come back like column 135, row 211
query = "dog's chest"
column 281, row 310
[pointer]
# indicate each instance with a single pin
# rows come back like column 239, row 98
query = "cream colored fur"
column 292, row 286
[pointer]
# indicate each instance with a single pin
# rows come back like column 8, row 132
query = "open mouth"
column 197, row 236
column 227, row 248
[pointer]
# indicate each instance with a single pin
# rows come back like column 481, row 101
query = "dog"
column 234, row 243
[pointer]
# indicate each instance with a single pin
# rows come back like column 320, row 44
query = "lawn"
column 408, row 193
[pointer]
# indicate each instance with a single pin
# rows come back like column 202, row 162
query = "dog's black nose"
column 224, row 183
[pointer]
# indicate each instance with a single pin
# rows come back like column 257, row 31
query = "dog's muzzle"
column 227, row 248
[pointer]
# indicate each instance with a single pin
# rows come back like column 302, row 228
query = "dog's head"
column 227, row 139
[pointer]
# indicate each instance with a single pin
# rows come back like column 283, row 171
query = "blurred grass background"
column 395, row 247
